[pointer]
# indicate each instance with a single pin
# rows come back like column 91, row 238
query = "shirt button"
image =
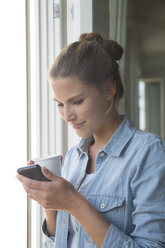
column 101, row 154
column 102, row 205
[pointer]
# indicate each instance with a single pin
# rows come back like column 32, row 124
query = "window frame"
column 52, row 133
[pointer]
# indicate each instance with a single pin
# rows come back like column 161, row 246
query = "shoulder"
column 136, row 144
column 143, row 151
column 147, row 141
column 149, row 155
column 137, row 137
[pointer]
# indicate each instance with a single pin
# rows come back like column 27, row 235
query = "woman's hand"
column 58, row 194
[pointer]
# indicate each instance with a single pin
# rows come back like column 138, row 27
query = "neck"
column 111, row 124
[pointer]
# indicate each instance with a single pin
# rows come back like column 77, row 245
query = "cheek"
column 86, row 110
column 94, row 110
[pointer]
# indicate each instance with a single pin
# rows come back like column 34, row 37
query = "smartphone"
column 33, row 172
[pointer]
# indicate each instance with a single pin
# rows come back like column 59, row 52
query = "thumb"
column 47, row 173
column 30, row 162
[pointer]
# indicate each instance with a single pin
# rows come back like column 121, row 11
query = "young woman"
column 111, row 193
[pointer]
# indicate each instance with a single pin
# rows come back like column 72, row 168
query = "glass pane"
column 145, row 61
column 142, row 106
column 150, row 106
column 139, row 27
column 154, row 107
column 13, row 123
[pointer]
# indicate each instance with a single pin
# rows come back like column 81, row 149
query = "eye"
column 60, row 105
column 78, row 102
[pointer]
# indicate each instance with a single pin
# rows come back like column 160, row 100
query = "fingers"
column 35, row 194
column 37, row 199
column 36, row 190
column 39, row 196
column 49, row 174
column 30, row 183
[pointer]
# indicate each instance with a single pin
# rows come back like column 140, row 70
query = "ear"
column 110, row 89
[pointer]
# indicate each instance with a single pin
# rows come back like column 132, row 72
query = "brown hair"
column 92, row 59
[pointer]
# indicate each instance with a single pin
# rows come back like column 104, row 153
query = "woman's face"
column 80, row 105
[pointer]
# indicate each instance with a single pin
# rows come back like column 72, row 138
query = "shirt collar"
column 120, row 138
column 116, row 143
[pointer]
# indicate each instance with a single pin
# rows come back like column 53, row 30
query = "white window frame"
column 79, row 18
column 13, row 125
column 53, row 32
column 28, row 86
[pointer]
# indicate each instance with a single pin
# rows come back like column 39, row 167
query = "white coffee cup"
column 52, row 163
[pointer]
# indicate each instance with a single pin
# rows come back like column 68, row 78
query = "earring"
column 109, row 108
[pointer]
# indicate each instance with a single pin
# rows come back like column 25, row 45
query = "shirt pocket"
column 111, row 207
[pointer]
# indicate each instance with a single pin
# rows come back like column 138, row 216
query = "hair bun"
column 114, row 49
column 111, row 47
column 95, row 37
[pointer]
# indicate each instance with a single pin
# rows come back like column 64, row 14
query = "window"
column 47, row 25
column 13, row 123
column 151, row 115
column 49, row 31
column 144, row 61
column 139, row 27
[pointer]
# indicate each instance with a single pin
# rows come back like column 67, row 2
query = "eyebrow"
column 70, row 99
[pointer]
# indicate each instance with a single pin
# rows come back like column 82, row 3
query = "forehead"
column 67, row 87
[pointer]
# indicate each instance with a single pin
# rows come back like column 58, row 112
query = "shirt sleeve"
column 148, row 214
column 48, row 242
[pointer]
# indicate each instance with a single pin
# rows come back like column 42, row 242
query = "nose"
column 68, row 114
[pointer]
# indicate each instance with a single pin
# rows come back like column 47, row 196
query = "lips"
column 78, row 125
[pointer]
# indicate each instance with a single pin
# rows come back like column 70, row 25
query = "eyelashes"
column 59, row 105
column 75, row 103
column 79, row 102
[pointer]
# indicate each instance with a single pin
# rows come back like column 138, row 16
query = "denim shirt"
column 128, row 189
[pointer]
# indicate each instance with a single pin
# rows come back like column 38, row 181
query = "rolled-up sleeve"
column 148, row 215
column 48, row 242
